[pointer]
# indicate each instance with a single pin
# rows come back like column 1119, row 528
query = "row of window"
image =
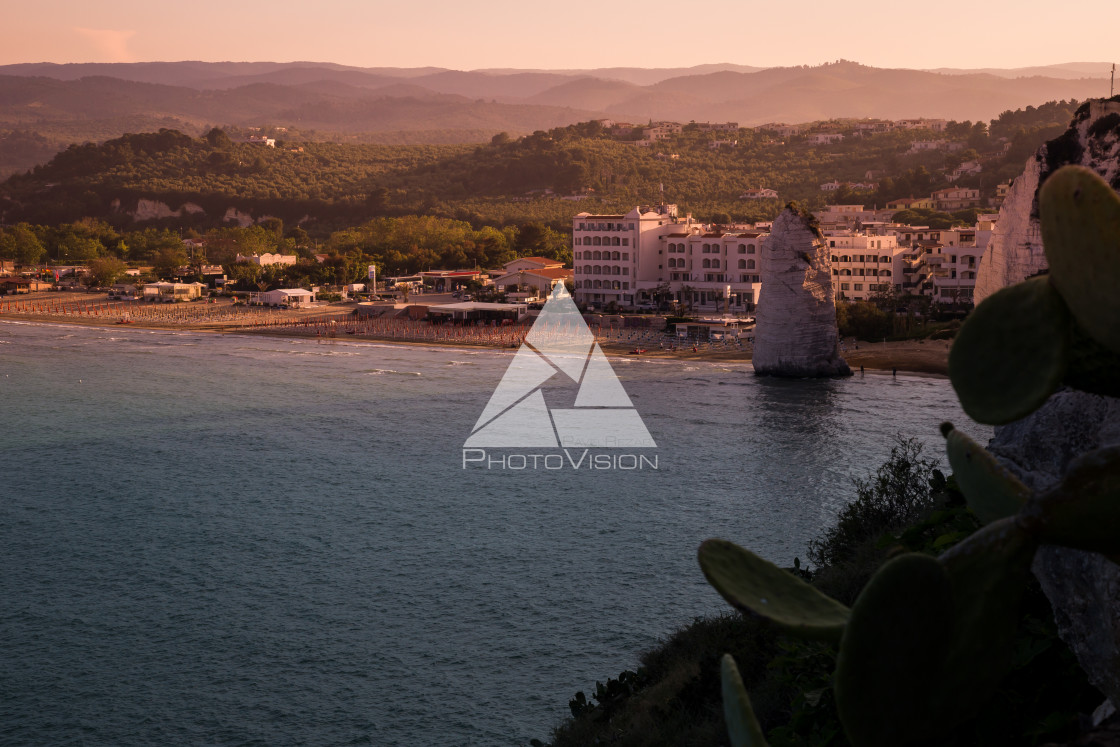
column 710, row 248
column 616, row 256
column 602, row 241
column 872, row 272
column 870, row 286
column 861, row 258
column 607, row 284
column 606, row 227
column 602, row 270
column 712, row 278
column 711, row 264
column 870, row 244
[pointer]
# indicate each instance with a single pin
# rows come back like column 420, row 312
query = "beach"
column 328, row 322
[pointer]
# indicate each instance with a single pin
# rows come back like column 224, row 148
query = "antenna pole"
column 1112, row 81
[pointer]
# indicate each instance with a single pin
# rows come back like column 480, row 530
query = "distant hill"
column 60, row 104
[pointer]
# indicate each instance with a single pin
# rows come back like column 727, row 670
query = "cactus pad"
column 1010, row 353
column 742, row 725
column 992, row 492
column 1080, row 219
column 754, row 585
column 889, row 671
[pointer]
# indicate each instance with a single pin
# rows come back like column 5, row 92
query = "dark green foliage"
column 864, row 320
column 1050, row 114
column 897, row 494
column 1104, row 125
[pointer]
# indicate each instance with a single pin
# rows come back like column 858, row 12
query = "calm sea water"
column 253, row 540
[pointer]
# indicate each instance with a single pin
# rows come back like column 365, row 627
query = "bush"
column 895, row 495
column 863, row 320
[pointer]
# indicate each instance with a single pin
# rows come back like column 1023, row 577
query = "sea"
column 254, row 540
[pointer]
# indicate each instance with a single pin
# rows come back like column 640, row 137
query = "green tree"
column 167, row 261
column 106, row 270
column 21, row 244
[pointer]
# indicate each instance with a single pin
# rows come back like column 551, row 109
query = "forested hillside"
column 546, row 177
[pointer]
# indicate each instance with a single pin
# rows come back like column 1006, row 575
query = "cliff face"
column 1015, row 251
column 796, row 333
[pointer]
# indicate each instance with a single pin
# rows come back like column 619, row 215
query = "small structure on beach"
column 169, row 292
column 471, row 311
column 292, row 298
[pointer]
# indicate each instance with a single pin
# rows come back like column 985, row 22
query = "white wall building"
column 291, row 297
column 268, row 259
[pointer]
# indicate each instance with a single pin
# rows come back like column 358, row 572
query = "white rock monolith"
column 795, row 334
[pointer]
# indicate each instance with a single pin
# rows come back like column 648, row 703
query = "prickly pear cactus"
column 929, row 639
column 1010, row 354
column 991, row 491
column 754, row 585
column 742, row 725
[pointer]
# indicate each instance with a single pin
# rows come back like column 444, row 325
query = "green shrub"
column 899, row 491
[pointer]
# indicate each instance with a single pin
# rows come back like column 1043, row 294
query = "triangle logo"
column 560, row 344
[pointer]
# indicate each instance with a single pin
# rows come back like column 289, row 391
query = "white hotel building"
column 628, row 259
column 634, row 259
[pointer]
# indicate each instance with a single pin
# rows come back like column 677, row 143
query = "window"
column 844, row 286
column 750, row 248
column 742, row 248
column 596, row 241
column 616, row 241
column 750, row 264
column 742, row 264
column 626, row 242
column 626, row 255
column 858, row 287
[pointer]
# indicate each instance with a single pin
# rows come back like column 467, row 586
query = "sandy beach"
column 335, row 321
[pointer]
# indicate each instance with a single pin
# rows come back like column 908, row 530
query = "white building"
column 168, row 292
column 825, row 138
column 268, row 259
column 762, row 193
column 649, row 255
column 863, row 265
column 290, row 297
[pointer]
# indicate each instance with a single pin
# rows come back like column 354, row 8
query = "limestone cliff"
column 1015, row 250
column 796, row 333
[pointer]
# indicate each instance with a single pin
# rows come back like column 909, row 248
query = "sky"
column 565, row 35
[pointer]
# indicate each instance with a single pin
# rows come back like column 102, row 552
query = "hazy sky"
column 571, row 34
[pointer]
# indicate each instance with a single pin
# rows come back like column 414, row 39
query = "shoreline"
column 924, row 357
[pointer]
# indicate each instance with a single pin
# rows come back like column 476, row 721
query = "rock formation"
column 1015, row 250
column 796, row 333
column 1083, row 587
